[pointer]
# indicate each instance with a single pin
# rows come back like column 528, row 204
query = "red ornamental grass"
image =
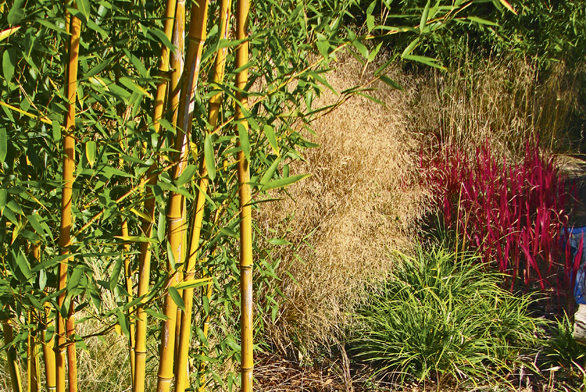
column 512, row 214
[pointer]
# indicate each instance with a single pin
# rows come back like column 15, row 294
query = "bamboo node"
column 246, row 267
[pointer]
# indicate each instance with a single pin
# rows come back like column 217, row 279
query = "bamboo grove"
column 136, row 140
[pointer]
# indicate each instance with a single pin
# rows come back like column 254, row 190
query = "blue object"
column 575, row 236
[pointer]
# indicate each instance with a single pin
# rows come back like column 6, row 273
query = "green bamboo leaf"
column 424, row 15
column 410, row 47
column 482, row 21
column 75, row 278
column 3, row 144
column 370, row 17
column 243, row 138
column 192, row 283
column 56, row 128
column 270, row 133
column 35, row 302
column 16, row 13
column 122, row 322
column 426, row 60
column 283, row 182
column 176, row 297
column 187, row 174
column 131, row 85
column 84, row 7
column 115, row 273
column 23, row 265
column 156, row 315
column 3, row 198
column 209, row 157
column 36, row 224
column 161, row 227
column 14, row 206
column 361, row 48
column 391, row 82
column 90, row 152
column 270, row 172
column 170, row 256
column 8, row 63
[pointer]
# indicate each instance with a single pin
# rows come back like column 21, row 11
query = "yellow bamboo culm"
column 176, row 214
column 32, row 360
column 176, row 218
column 128, row 277
column 49, row 354
column 177, row 64
column 12, row 362
column 182, row 372
column 144, row 261
column 67, row 328
column 245, row 208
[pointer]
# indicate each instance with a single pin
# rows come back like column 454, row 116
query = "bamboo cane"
column 65, row 230
column 182, row 371
column 176, row 216
column 32, row 348
column 149, row 209
column 12, row 362
column 49, row 355
column 128, row 277
column 177, row 65
column 245, row 208
column 31, row 368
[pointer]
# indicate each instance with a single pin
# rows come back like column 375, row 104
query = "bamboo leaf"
column 8, row 32
column 243, row 138
column 426, row 60
column 209, row 157
column 424, row 15
column 90, row 152
column 283, row 182
column 16, row 13
column 134, row 238
column 482, row 21
column 22, row 263
column 391, row 82
column 3, row 144
column 270, row 134
column 84, row 7
column 186, row 175
column 192, row 283
column 131, row 85
column 36, row 224
column 161, row 227
column 176, row 297
column 270, row 172
column 115, row 273
column 156, row 315
column 8, row 63
column 508, row 6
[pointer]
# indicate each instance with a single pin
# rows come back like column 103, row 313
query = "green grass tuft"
column 441, row 317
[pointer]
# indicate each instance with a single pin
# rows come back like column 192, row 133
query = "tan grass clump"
column 358, row 206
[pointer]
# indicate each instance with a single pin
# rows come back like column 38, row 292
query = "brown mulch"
column 274, row 373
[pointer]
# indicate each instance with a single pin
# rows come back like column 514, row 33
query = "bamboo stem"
column 32, row 348
column 245, row 208
column 31, row 365
column 65, row 230
column 13, row 367
column 49, row 354
column 182, row 371
column 128, row 277
column 177, row 65
column 144, row 271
